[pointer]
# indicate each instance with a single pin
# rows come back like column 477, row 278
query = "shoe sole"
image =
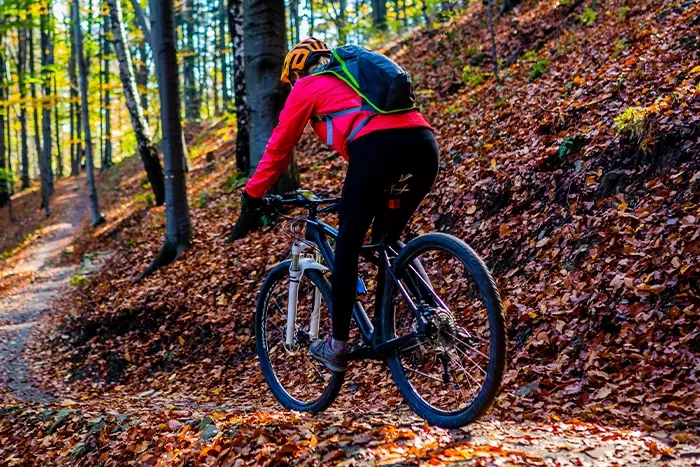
column 331, row 366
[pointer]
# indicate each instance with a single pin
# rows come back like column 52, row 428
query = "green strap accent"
column 345, row 69
column 383, row 112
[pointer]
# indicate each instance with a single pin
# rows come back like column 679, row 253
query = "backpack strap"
column 329, row 121
column 360, row 126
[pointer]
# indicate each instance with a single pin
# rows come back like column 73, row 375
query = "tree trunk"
column 4, row 176
column 341, row 23
column 264, row 53
column 223, row 46
column 141, row 20
column 76, row 134
column 218, row 57
column 191, row 107
column 294, row 20
column 494, row 54
column 57, row 128
column 178, row 227
column 100, row 88
column 312, row 18
column 379, row 14
column 95, row 214
column 146, row 148
column 46, row 154
column 35, row 103
column 426, row 16
column 235, row 23
column 142, row 76
column 202, row 94
column 21, row 69
column 107, row 157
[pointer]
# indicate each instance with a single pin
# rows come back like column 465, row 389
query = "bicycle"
column 413, row 329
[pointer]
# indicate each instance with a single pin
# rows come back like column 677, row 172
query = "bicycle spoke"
column 464, row 343
column 425, row 375
column 464, row 370
column 313, row 365
column 303, row 378
column 471, row 360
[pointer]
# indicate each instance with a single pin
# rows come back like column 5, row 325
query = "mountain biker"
column 381, row 150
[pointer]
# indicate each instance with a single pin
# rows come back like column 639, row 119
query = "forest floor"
column 42, row 426
column 576, row 178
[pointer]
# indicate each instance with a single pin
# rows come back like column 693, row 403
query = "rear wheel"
column 297, row 381
column 453, row 370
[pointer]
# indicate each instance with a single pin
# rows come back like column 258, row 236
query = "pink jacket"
column 315, row 96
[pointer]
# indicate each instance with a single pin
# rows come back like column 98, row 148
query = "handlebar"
column 305, row 199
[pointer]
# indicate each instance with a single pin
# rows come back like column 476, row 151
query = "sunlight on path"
column 21, row 308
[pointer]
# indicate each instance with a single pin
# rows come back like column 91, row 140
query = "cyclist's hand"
column 249, row 219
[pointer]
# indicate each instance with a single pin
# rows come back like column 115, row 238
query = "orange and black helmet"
column 301, row 56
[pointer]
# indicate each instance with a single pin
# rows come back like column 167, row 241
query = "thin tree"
column 146, row 148
column 95, row 215
column 142, row 74
column 312, row 17
column 21, row 71
column 379, row 15
column 235, row 21
column 146, row 30
column 57, row 129
column 215, row 77
column 75, row 131
column 4, row 192
column 178, row 227
column 45, row 166
column 107, row 156
column 192, row 110
column 35, row 101
column 294, row 21
column 141, row 20
column 494, row 54
column 264, row 53
column 223, row 56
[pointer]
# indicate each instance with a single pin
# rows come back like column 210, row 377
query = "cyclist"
column 381, row 150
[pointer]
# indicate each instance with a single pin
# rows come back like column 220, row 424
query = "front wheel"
column 296, row 380
column 452, row 373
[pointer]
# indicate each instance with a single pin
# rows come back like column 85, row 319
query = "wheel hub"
column 441, row 329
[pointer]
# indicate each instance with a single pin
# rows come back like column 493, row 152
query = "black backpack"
column 384, row 86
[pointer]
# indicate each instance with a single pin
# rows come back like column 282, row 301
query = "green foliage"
column 6, row 180
column 472, row 77
column 633, row 121
column 571, row 146
column 453, row 109
column 148, row 198
column 477, row 60
column 621, row 44
column 622, row 14
column 530, row 55
column 78, row 281
column 539, row 68
column 234, row 182
column 203, row 200
column 588, row 17
column 499, row 103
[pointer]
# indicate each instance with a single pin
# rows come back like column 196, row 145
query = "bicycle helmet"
column 303, row 55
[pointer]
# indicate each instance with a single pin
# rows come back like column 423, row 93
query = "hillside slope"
column 576, row 178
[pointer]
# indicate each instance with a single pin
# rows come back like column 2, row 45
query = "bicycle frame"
column 319, row 232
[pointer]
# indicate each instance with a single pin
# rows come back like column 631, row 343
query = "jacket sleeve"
column 293, row 119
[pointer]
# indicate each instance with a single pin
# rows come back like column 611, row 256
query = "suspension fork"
column 316, row 312
column 294, row 278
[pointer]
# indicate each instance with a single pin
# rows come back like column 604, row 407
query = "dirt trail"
column 40, row 280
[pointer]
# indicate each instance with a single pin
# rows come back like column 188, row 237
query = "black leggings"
column 377, row 161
